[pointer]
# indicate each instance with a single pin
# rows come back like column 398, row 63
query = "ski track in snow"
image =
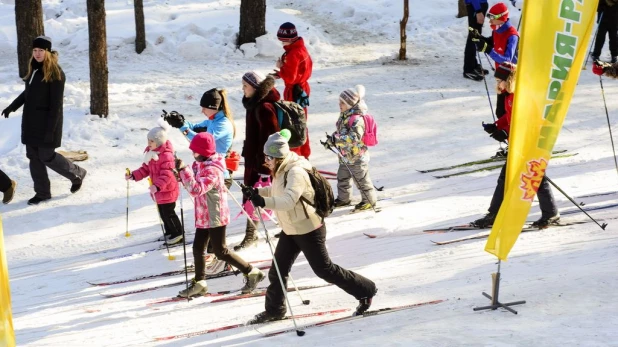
column 428, row 117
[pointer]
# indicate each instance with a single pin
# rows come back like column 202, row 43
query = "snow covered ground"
column 428, row 115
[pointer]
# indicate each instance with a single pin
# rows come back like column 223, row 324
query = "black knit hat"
column 42, row 42
column 287, row 32
column 211, row 99
column 503, row 71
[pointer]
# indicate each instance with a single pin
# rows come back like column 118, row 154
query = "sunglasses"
column 495, row 16
column 269, row 158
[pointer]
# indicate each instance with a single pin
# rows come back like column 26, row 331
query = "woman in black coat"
column 41, row 124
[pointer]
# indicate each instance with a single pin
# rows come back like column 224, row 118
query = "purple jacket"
column 204, row 182
column 159, row 165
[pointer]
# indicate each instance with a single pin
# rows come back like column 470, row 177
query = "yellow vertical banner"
column 552, row 47
column 7, row 336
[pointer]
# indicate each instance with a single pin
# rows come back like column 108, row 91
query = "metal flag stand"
column 495, row 290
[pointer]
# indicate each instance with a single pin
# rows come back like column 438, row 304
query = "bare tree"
column 29, row 23
column 402, row 29
column 98, row 57
column 140, row 29
column 252, row 20
column 461, row 10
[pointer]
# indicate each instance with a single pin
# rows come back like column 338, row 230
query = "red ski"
column 240, row 325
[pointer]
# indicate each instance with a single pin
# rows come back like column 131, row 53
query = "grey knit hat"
column 158, row 135
column 277, row 144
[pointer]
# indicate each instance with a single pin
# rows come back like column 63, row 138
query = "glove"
column 128, row 177
column 500, row 136
column 153, row 189
column 179, row 164
column 249, row 192
column 329, row 142
column 490, row 128
column 258, row 200
column 6, row 112
column 174, row 119
column 482, row 44
column 299, row 96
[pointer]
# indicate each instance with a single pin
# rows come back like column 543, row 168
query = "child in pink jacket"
column 159, row 166
column 205, row 182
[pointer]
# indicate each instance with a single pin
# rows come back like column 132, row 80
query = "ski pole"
column 491, row 107
column 593, row 41
column 127, row 234
column 169, row 256
column 305, row 302
column 609, row 125
column 283, row 287
column 184, row 240
column 343, row 160
column 489, row 62
column 602, row 226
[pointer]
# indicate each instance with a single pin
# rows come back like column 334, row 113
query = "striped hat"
column 253, row 78
column 353, row 96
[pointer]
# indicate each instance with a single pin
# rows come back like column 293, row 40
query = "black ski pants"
column 5, row 182
column 470, row 61
column 216, row 238
column 313, row 246
column 608, row 26
column 546, row 198
column 171, row 223
column 42, row 158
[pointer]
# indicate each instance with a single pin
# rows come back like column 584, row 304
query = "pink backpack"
column 370, row 138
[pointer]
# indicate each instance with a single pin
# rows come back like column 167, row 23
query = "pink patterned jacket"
column 205, row 183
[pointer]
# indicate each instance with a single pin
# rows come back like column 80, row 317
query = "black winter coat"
column 41, row 123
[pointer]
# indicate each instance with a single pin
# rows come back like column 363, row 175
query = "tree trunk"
column 98, row 58
column 402, row 29
column 140, row 29
column 252, row 20
column 461, row 11
column 29, row 23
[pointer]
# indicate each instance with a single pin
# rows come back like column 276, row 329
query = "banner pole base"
column 495, row 303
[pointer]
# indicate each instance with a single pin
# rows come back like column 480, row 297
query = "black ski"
column 475, row 162
column 493, row 167
column 526, row 228
column 143, row 290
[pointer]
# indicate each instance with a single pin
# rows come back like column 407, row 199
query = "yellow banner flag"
column 7, row 336
column 552, row 48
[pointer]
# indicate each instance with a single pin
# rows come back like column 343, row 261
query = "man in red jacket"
column 295, row 67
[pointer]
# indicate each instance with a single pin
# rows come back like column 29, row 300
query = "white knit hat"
column 158, row 135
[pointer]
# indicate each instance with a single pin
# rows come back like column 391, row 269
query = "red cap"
column 499, row 12
column 203, row 144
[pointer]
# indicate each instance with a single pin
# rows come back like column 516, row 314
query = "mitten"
column 128, row 176
column 249, row 192
column 179, row 164
column 258, row 200
column 153, row 189
column 490, row 128
column 500, row 136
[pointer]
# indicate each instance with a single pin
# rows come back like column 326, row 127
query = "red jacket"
column 504, row 122
column 159, row 168
column 296, row 69
column 261, row 122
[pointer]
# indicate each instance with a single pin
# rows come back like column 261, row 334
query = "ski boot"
column 485, row 222
column 264, row 317
column 544, row 222
column 196, row 288
column 252, row 279
column 341, row 203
